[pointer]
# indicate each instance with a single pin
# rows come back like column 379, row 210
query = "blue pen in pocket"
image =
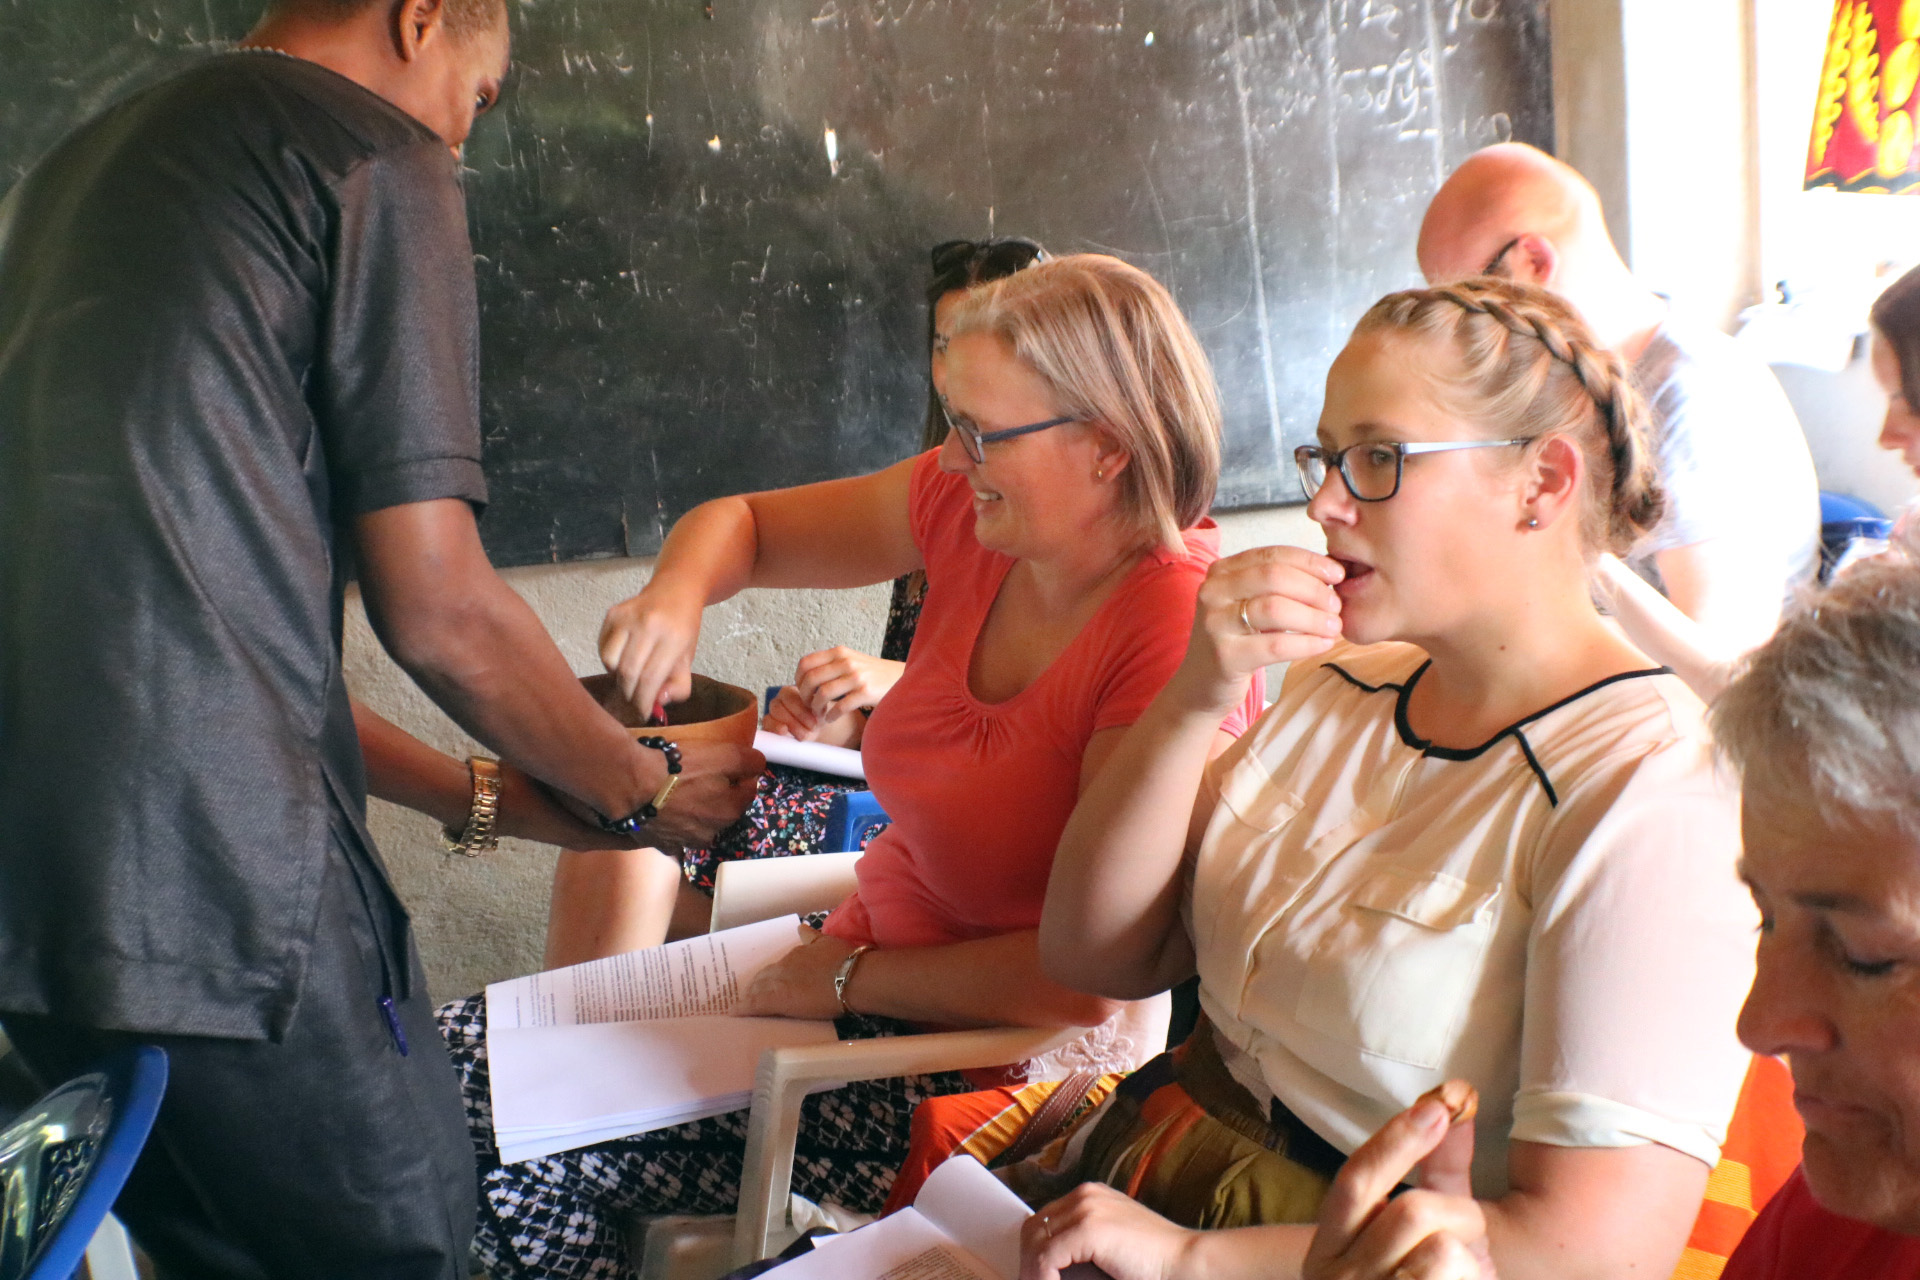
column 393, row 1024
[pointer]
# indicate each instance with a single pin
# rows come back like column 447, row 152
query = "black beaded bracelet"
column 671, row 750
column 632, row 824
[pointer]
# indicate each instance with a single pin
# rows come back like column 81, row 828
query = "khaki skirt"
column 1182, row 1137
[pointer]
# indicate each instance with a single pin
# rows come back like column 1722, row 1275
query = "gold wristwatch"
column 479, row 835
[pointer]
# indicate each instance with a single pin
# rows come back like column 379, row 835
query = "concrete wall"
column 1590, row 101
column 482, row 919
column 1653, row 103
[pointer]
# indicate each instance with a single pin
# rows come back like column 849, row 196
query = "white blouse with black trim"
column 1554, row 915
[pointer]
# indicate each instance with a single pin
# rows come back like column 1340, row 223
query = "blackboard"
column 701, row 227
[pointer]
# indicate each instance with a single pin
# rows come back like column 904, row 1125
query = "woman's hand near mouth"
column 1267, row 605
column 1350, row 567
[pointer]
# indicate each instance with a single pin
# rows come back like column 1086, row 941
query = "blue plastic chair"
column 853, row 817
column 64, row 1160
column 1845, row 520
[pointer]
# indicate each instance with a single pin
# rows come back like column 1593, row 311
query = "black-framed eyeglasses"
column 990, row 259
column 1372, row 468
column 1493, row 264
column 975, row 441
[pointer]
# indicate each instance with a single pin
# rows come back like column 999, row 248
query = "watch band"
column 483, row 813
column 845, row 975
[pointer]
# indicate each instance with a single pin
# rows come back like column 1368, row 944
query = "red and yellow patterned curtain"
column 1863, row 123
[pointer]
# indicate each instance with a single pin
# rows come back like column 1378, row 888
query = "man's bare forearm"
column 479, row 651
column 496, row 672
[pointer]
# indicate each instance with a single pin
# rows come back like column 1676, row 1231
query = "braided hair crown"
column 1530, row 367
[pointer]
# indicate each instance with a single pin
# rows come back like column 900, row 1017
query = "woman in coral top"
column 1062, row 526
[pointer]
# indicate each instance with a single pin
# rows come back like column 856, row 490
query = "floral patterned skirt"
column 788, row 817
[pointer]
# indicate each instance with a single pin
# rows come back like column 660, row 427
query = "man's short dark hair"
column 464, row 18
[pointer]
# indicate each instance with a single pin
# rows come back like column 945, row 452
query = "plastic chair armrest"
column 762, row 888
column 786, row 1076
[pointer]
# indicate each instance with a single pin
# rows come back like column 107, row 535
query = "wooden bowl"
column 714, row 712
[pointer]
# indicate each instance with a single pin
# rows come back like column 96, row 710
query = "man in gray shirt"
column 238, row 354
column 1743, row 507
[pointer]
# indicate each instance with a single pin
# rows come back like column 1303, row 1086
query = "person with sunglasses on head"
column 1742, row 528
column 1477, row 837
column 1063, row 525
column 606, row 903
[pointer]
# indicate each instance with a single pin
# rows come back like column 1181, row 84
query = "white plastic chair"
column 762, row 888
column 682, row 1248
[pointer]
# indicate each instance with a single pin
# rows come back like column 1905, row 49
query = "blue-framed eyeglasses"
column 1372, row 468
column 975, row 441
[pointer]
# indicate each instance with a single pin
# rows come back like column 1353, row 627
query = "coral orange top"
column 979, row 793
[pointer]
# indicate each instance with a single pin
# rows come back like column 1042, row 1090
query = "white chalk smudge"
column 1149, row 40
column 833, row 151
column 713, row 144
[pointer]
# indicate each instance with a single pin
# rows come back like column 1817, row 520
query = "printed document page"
column 703, row 975
column 556, row 1088
column 977, row 1210
column 964, row 1225
column 902, row 1246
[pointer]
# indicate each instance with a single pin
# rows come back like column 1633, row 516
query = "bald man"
column 1743, row 515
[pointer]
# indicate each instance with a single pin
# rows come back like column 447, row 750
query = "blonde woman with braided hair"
column 1477, row 840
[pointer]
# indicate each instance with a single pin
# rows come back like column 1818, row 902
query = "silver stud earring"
column 1099, row 473
column 1533, row 522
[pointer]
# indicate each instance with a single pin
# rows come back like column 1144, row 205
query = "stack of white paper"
column 633, row 1042
column 780, row 749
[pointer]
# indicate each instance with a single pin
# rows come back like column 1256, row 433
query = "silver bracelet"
column 845, row 975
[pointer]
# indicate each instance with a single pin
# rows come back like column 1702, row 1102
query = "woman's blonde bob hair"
column 1109, row 342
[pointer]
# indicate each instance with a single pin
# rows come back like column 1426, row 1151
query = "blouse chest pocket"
column 1394, row 974
column 1235, row 870
column 1255, row 800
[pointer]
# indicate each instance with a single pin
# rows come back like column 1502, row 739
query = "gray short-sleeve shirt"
column 236, row 311
column 1731, row 454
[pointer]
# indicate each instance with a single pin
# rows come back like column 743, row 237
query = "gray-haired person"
column 1824, row 726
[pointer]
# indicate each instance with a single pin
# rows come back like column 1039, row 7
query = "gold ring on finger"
column 1245, row 621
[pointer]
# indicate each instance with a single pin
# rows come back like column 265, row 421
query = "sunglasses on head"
column 988, row 259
